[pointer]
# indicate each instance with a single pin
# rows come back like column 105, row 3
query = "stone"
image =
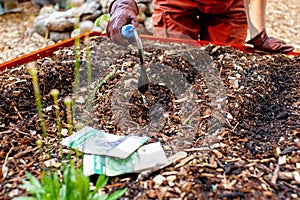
column 65, row 20
column 39, row 25
column 142, row 7
column 89, row 8
column 60, row 24
column 40, row 3
column 92, row 17
column 148, row 24
column 58, row 36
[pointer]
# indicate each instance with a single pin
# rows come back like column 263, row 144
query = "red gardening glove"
column 265, row 43
column 122, row 12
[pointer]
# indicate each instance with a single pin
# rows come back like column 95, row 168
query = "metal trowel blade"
column 143, row 82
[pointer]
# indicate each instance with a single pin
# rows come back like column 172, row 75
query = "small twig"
column 21, row 132
column 275, row 175
column 16, row 109
column 291, row 186
column 20, row 154
column 4, row 168
column 229, row 124
column 235, row 126
column 6, row 132
column 184, row 161
column 205, row 149
column 19, row 81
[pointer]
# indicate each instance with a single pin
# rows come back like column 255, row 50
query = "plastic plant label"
column 97, row 142
column 146, row 157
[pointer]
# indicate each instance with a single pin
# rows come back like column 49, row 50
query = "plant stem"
column 33, row 72
column 89, row 77
column 68, row 103
column 77, row 60
column 102, row 82
column 32, row 69
column 54, row 93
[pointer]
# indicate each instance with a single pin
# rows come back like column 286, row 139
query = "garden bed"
column 255, row 144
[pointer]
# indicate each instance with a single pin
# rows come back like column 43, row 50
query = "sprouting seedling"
column 33, row 72
column 35, row 82
column 54, row 93
column 39, row 144
column 76, row 4
column 100, row 23
column 85, row 27
column 68, row 103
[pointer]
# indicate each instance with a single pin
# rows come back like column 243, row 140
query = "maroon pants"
column 209, row 20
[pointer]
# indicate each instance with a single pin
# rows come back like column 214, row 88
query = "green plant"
column 73, row 185
column 34, row 75
column 101, row 23
column 75, row 4
column 68, row 104
column 54, row 93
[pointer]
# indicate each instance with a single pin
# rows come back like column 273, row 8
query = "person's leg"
column 256, row 16
column 177, row 19
column 227, row 27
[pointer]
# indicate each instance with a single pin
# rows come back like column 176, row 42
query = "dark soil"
column 250, row 119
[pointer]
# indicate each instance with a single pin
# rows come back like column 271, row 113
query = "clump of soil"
column 245, row 105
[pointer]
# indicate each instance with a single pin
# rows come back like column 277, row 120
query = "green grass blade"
column 101, row 182
column 117, row 194
column 25, row 198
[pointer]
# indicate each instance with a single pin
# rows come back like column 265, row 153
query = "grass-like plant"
column 76, row 4
column 73, row 185
column 34, row 75
column 68, row 103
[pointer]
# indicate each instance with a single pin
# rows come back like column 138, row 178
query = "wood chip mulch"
column 256, row 154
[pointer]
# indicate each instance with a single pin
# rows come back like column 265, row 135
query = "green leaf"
column 51, row 184
column 33, row 180
column 83, row 184
column 101, row 182
column 117, row 194
column 74, row 185
column 98, row 21
column 32, row 186
column 62, row 192
column 101, row 197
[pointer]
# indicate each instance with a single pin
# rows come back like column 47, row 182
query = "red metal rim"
column 47, row 51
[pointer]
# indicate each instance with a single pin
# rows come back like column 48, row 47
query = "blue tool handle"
column 128, row 31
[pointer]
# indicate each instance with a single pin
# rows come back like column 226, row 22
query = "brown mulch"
column 256, row 154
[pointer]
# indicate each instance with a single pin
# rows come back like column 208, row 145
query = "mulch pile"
column 250, row 119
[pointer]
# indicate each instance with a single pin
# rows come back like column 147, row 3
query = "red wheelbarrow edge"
column 47, row 51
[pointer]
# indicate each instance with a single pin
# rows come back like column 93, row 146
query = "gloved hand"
column 122, row 12
column 265, row 43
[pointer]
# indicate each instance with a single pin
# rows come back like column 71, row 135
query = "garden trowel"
column 130, row 32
